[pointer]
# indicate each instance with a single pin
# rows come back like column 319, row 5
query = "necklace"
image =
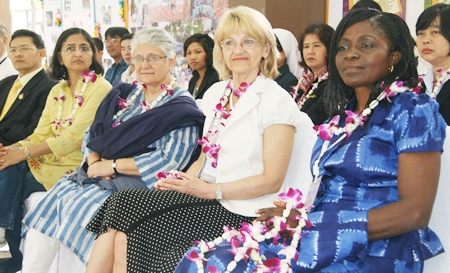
column 128, row 104
column 87, row 77
column 307, row 78
column 353, row 120
column 210, row 143
column 439, row 82
column 195, row 91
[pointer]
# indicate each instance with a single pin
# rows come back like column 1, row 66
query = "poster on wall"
column 107, row 14
column 52, row 26
column 181, row 18
column 429, row 3
column 392, row 6
column 78, row 13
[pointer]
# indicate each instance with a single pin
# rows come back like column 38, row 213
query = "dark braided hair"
column 338, row 94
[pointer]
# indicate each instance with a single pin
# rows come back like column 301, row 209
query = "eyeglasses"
column 230, row 44
column 23, row 50
column 112, row 40
column 72, row 49
column 151, row 59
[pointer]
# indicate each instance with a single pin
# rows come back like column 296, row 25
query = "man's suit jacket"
column 23, row 116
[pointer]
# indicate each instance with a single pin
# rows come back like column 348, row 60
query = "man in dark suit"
column 19, row 121
column 22, row 100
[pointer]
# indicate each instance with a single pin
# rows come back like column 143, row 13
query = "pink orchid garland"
column 304, row 82
column 172, row 174
column 209, row 141
column 307, row 94
column 87, row 77
column 125, row 105
column 354, row 120
column 245, row 242
column 439, row 81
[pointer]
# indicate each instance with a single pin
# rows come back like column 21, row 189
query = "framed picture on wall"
column 392, row 6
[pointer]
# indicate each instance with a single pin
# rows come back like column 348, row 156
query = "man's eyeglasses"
column 73, row 49
column 23, row 50
column 151, row 59
column 112, row 40
column 230, row 44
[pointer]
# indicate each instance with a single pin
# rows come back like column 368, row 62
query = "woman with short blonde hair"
column 254, row 25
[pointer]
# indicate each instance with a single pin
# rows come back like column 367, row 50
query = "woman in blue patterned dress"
column 138, row 131
column 378, row 180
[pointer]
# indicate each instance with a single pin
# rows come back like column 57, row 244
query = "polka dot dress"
column 161, row 225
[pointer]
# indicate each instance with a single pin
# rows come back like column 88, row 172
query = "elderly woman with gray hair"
column 139, row 130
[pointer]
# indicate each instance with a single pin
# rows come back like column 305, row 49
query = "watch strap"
column 218, row 192
column 114, row 166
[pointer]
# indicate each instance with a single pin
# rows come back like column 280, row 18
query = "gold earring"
column 391, row 68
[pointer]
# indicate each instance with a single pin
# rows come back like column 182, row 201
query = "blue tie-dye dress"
column 360, row 174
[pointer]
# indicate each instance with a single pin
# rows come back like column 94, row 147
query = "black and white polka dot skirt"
column 161, row 225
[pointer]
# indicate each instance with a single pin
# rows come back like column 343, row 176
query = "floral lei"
column 209, row 141
column 304, row 82
column 439, row 81
column 128, row 104
column 87, row 77
column 353, row 120
column 245, row 241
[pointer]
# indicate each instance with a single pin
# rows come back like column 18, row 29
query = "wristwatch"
column 114, row 166
column 218, row 192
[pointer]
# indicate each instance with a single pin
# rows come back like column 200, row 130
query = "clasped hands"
column 268, row 213
column 10, row 155
column 101, row 168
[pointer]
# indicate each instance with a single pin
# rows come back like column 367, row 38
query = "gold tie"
column 11, row 98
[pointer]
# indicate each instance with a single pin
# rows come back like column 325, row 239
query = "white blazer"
column 241, row 155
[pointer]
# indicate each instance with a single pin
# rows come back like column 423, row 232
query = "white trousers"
column 40, row 252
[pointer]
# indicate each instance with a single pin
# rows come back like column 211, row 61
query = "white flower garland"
column 79, row 100
column 126, row 105
column 209, row 141
column 439, row 82
column 252, row 234
column 353, row 120
column 306, row 96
